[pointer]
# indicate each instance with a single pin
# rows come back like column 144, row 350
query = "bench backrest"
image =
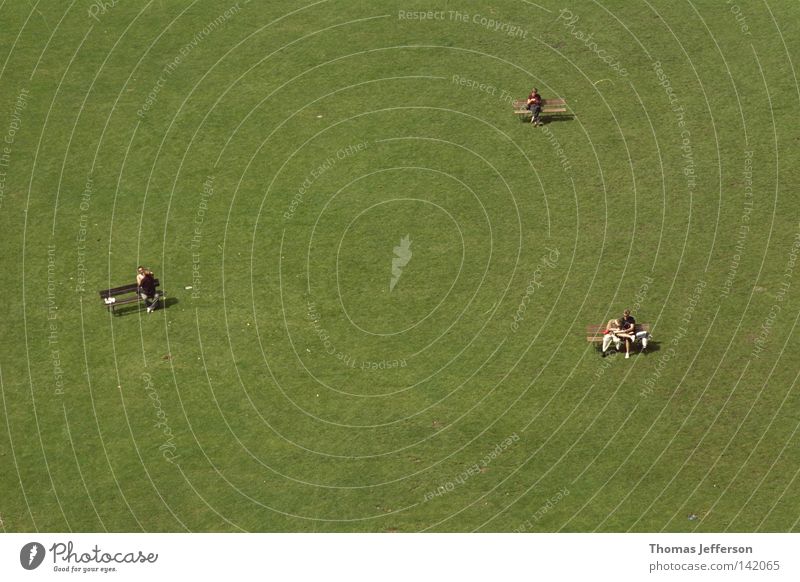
column 131, row 288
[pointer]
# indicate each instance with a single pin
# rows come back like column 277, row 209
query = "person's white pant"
column 642, row 336
column 608, row 338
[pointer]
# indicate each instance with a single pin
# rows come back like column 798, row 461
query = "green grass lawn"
column 266, row 158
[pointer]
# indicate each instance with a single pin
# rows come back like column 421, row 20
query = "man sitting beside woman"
column 621, row 329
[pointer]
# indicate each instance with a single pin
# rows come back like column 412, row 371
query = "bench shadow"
column 547, row 119
column 652, row 347
column 133, row 309
column 557, row 118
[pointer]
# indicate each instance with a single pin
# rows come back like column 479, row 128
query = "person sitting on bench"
column 610, row 335
column 628, row 331
column 146, row 283
column 535, row 106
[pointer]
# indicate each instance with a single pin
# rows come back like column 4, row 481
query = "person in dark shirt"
column 627, row 330
column 535, row 106
column 146, row 284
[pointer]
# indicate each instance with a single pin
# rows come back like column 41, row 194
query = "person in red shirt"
column 610, row 335
column 535, row 106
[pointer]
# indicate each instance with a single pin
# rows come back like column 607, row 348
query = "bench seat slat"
column 519, row 103
column 545, row 110
column 554, row 110
column 549, row 107
column 594, row 333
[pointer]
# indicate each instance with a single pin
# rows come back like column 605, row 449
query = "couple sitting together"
column 623, row 329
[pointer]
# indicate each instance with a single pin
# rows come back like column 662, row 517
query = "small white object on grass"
column 319, row 117
column 188, row 287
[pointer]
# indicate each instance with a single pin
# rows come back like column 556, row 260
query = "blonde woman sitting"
column 614, row 334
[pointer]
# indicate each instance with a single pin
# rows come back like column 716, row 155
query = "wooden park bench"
column 594, row 333
column 549, row 107
column 113, row 298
